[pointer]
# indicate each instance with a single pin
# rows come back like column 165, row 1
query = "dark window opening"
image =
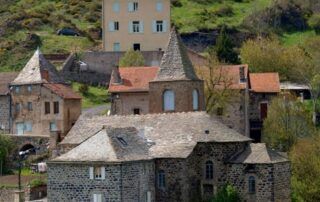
column 30, row 106
column 252, row 185
column 122, row 141
column 136, row 47
column 56, row 107
column 136, row 111
column 209, row 170
column 161, row 179
column 47, row 107
column 219, row 111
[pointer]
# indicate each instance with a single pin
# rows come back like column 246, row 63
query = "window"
column 136, row 47
column 133, row 6
column 53, row 126
column 97, row 173
column 168, row 100
column 17, row 89
column 116, row 25
column 195, row 99
column 29, row 89
column 252, row 185
column 97, row 197
column 56, row 107
column 209, row 170
column 116, row 7
column 161, row 179
column 136, row 111
column 148, row 196
column 18, row 107
column 28, row 126
column 113, row 26
column 116, row 47
column 136, row 26
column 47, row 107
column 159, row 6
column 159, row 26
column 30, row 106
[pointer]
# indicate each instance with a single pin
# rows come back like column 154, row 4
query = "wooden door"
column 263, row 110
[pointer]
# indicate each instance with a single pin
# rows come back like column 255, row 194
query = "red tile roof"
column 63, row 91
column 264, row 82
column 5, row 79
column 134, row 79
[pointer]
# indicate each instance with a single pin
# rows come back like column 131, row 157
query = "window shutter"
column 91, row 173
column 130, row 27
column 130, row 6
column 111, row 26
column 154, row 26
column 116, row 7
column 141, row 26
column 165, row 26
column 103, row 173
column 159, row 6
column 149, row 196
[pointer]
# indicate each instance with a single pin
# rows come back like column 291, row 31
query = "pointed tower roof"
column 175, row 63
column 38, row 70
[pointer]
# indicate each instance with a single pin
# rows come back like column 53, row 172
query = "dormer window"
column 168, row 100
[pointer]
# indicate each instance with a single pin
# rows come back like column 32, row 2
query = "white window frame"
column 28, row 126
column 133, row 6
column 195, row 99
column 136, row 27
column 97, row 197
column 159, row 26
column 102, row 172
column 53, row 129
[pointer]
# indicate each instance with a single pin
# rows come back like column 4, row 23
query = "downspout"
column 10, row 113
column 246, row 109
column 121, row 197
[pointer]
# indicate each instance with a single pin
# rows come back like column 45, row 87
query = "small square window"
column 17, row 89
column 136, row 111
column 29, row 89
column 53, row 127
column 136, row 47
column 30, row 106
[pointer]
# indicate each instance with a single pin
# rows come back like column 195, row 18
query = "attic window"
column 122, row 141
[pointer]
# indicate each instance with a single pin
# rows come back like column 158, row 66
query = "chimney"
column 45, row 75
column 242, row 74
column 116, row 78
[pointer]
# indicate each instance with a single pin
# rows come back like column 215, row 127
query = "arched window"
column 209, row 170
column 195, row 99
column 161, row 179
column 252, row 184
column 168, row 100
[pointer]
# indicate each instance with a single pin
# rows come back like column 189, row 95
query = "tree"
column 6, row 146
column 217, row 83
column 132, row 59
column 287, row 122
column 314, row 22
column 227, row 194
column 225, row 49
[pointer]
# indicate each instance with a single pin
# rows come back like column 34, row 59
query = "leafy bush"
column 6, row 146
column 314, row 22
column 84, row 89
column 227, row 194
column 37, row 182
column 132, row 59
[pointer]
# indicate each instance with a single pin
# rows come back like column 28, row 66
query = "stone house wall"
column 282, row 183
column 71, row 112
column 126, row 102
column 254, row 103
column 183, row 95
column 4, row 113
column 124, row 182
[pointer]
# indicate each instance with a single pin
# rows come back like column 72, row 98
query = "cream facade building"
column 135, row 24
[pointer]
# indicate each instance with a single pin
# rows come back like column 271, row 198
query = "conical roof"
column 38, row 70
column 175, row 63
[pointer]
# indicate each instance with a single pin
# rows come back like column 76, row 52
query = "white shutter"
column 154, row 26
column 159, row 6
column 111, row 26
column 130, row 6
column 116, row 7
column 103, row 173
column 97, row 197
column 91, row 173
column 165, row 26
column 149, row 196
column 130, row 27
column 141, row 27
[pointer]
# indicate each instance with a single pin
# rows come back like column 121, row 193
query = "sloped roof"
column 169, row 131
column 134, row 79
column 258, row 154
column 264, row 82
column 293, row 86
column 33, row 72
column 63, row 91
column 5, row 79
column 175, row 63
column 110, row 145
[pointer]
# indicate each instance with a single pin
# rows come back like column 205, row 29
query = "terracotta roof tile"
column 134, row 79
column 63, row 91
column 5, row 79
column 264, row 82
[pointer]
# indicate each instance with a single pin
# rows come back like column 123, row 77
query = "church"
column 171, row 150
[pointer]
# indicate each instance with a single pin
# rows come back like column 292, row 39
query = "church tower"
column 176, row 88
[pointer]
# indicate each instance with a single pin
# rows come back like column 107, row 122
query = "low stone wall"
column 6, row 194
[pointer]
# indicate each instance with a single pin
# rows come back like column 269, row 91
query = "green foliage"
column 225, row 49
column 287, row 122
column 305, row 166
column 227, row 194
column 132, row 59
column 84, row 89
column 6, row 146
column 314, row 22
column 37, row 182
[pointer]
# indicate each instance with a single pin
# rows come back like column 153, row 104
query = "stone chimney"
column 242, row 74
column 116, row 78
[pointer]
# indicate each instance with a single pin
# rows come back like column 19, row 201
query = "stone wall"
column 124, row 182
column 36, row 141
column 125, row 103
column 6, row 195
column 254, row 105
column 282, row 183
column 4, row 113
column 183, row 95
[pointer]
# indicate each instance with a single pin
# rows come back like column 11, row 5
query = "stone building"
column 175, row 153
column 42, row 103
column 140, row 25
column 172, row 87
column 5, row 101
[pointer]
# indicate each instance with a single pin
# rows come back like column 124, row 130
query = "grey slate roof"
column 175, row 63
column 106, row 146
column 31, row 73
column 258, row 154
column 183, row 130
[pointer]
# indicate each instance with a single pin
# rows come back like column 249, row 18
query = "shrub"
column 37, row 183
column 227, row 193
column 314, row 22
column 84, row 89
column 132, row 59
